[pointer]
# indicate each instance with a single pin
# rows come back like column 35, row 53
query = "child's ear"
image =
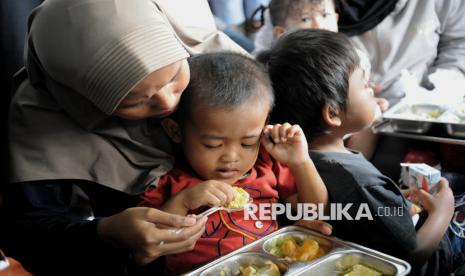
column 278, row 31
column 331, row 116
column 172, row 129
column 337, row 16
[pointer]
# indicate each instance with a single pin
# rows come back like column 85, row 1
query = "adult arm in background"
column 41, row 232
column 264, row 37
column 428, row 35
column 451, row 47
column 250, row 6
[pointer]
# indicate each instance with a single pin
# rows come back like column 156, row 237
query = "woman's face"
column 157, row 95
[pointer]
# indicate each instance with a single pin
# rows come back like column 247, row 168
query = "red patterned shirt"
column 225, row 232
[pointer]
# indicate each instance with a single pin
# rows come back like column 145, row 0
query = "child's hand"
column 382, row 103
column 208, row 193
column 442, row 202
column 414, row 208
column 286, row 143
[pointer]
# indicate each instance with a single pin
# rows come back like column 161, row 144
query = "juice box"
column 420, row 175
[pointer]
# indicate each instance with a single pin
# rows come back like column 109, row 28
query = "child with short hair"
column 287, row 15
column 221, row 126
column 320, row 85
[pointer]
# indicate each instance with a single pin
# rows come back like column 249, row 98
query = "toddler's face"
column 157, row 95
column 361, row 105
column 223, row 144
column 321, row 16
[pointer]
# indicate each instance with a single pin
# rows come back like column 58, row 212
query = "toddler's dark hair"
column 280, row 10
column 309, row 68
column 224, row 80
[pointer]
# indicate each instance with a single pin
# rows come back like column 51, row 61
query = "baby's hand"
column 286, row 143
column 208, row 193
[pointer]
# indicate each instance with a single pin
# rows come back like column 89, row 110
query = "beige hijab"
column 82, row 58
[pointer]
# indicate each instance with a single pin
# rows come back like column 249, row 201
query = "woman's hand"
column 208, row 193
column 286, row 143
column 150, row 233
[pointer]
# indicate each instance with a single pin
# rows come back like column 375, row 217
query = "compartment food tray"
column 340, row 254
column 420, row 118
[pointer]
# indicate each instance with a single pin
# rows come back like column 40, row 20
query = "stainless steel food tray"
column 338, row 251
column 405, row 117
column 456, row 130
column 413, row 118
column 385, row 128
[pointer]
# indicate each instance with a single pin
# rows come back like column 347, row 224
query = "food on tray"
column 360, row 270
column 420, row 112
column 225, row 271
column 453, row 118
column 241, row 198
column 456, row 116
column 434, row 114
column 423, row 115
column 461, row 112
column 353, row 265
column 427, row 111
column 268, row 268
column 295, row 249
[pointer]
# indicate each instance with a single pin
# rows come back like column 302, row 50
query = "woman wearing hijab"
column 98, row 76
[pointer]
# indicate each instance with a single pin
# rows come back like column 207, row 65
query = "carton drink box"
column 419, row 175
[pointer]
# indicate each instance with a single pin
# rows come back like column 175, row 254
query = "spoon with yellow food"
column 240, row 201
